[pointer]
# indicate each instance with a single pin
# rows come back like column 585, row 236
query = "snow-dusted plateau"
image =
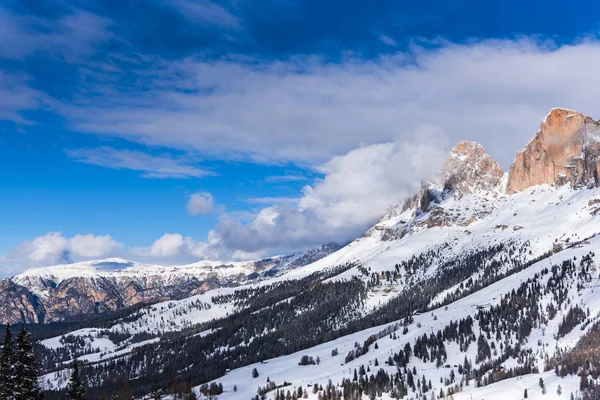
column 484, row 285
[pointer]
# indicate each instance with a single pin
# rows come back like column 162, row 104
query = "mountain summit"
column 470, row 169
column 566, row 149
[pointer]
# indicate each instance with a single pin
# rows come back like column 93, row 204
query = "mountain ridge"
column 59, row 292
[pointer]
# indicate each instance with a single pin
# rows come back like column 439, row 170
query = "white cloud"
column 356, row 190
column 360, row 185
column 170, row 244
column 364, row 122
column 307, row 110
column 54, row 248
column 200, row 203
column 174, row 247
column 93, row 246
column 160, row 166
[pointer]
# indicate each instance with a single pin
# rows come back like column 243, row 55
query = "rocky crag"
column 566, row 150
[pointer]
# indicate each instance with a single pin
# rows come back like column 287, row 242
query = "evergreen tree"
column 156, row 392
column 6, row 367
column 76, row 390
column 583, row 382
column 26, row 386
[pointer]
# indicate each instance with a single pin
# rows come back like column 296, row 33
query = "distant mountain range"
column 60, row 292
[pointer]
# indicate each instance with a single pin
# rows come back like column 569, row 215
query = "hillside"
column 482, row 285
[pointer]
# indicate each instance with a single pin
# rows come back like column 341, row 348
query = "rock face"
column 566, row 150
column 470, row 169
column 18, row 304
column 92, row 295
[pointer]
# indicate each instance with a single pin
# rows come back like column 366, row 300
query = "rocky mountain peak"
column 470, row 169
column 566, row 150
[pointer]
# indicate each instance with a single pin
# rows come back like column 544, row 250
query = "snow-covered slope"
column 542, row 341
column 462, row 291
column 553, row 224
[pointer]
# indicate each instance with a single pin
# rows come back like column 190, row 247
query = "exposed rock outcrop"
column 470, row 169
column 566, row 150
column 18, row 304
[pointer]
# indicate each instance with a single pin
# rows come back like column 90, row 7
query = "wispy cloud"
column 206, row 13
column 71, row 36
column 388, row 40
column 272, row 200
column 286, row 178
column 152, row 166
column 16, row 97
column 307, row 110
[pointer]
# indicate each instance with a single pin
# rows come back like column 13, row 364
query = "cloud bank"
column 307, row 110
column 355, row 191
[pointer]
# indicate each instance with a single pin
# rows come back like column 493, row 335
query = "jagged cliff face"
column 18, row 304
column 470, row 169
column 566, row 150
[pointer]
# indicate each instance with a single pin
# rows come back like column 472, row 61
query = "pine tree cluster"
column 18, row 368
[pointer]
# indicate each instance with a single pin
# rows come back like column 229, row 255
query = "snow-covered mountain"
column 482, row 285
column 63, row 291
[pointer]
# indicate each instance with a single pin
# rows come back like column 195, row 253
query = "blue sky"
column 175, row 131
